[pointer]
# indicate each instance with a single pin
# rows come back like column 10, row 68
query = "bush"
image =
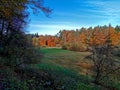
column 18, row 50
column 82, row 86
column 116, row 51
column 77, row 47
column 65, row 47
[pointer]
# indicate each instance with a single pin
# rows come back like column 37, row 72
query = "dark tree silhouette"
column 105, row 62
column 13, row 19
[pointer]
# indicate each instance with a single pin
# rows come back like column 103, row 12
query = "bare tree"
column 105, row 62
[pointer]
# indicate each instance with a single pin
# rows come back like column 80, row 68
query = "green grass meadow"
column 62, row 66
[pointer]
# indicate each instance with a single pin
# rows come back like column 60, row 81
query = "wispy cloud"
column 73, row 14
column 50, row 28
column 54, row 26
column 110, row 8
column 78, row 14
column 51, row 22
column 103, row 11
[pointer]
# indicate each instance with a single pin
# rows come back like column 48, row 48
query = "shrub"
column 18, row 50
column 77, row 47
column 65, row 47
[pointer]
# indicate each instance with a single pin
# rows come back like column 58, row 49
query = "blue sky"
column 74, row 14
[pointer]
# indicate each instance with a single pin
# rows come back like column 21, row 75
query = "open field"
column 67, row 70
column 64, row 66
column 68, row 67
column 68, row 59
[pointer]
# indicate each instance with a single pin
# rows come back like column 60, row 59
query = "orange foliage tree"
column 81, row 39
column 46, row 41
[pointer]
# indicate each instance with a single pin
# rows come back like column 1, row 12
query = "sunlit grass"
column 63, row 58
column 62, row 66
column 67, row 67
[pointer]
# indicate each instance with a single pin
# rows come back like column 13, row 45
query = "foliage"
column 80, row 39
column 15, row 48
column 45, row 41
column 86, row 87
column 106, row 64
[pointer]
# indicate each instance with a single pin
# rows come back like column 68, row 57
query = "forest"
column 81, row 59
column 80, row 39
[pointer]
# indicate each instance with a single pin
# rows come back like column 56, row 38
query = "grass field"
column 67, row 69
column 63, row 65
column 65, row 58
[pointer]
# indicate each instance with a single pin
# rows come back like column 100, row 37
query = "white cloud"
column 107, row 10
column 107, row 7
column 51, row 29
column 51, row 22
column 54, row 26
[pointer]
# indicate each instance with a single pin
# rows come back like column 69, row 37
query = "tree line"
column 45, row 41
column 80, row 39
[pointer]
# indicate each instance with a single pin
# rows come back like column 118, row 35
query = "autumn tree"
column 46, row 41
column 13, row 19
column 105, row 63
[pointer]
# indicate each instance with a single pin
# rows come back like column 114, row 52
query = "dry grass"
column 86, row 65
